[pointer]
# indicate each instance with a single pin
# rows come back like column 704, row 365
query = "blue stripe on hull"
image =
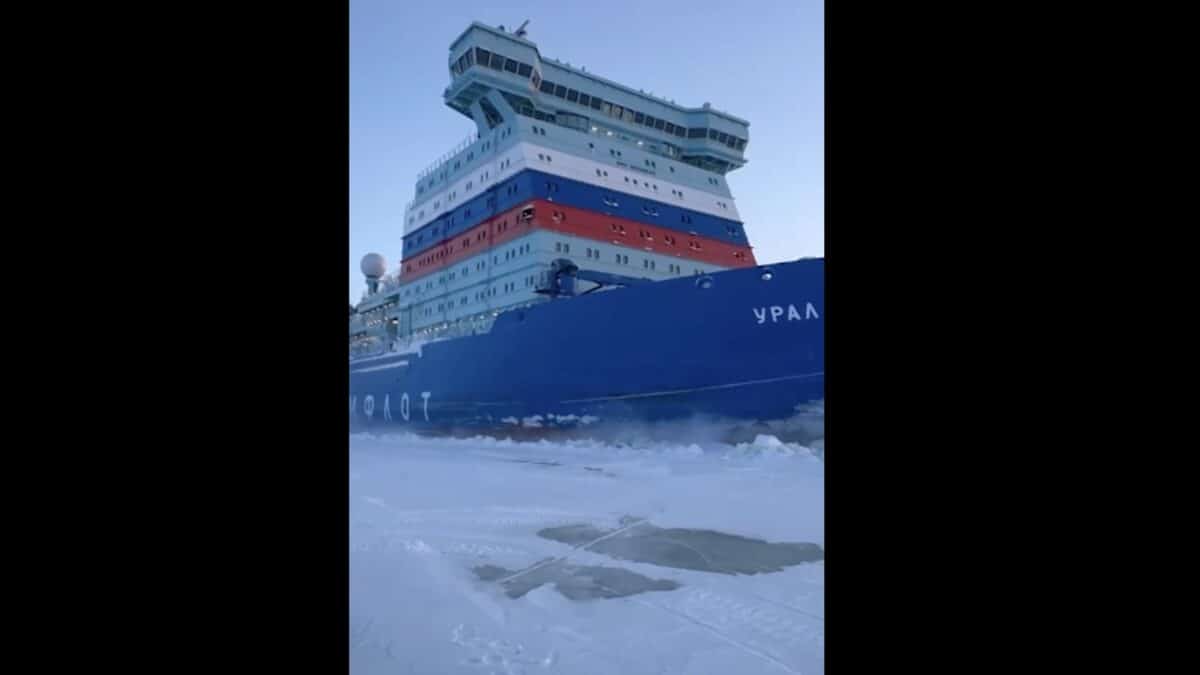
column 745, row 348
column 531, row 184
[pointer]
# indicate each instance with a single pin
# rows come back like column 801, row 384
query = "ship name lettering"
column 776, row 313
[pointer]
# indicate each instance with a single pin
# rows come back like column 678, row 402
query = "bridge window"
column 584, row 99
column 572, row 96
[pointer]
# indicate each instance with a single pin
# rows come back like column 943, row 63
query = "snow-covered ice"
column 581, row 557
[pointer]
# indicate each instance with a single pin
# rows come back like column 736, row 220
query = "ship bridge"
column 496, row 76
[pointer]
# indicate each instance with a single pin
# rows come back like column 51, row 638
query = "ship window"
column 560, row 91
column 482, row 55
column 497, row 62
column 659, row 124
column 597, row 103
column 712, row 133
column 572, row 95
column 670, row 128
column 547, row 87
column 638, row 118
column 721, row 138
column 649, row 121
column 524, row 69
column 510, row 65
column 584, row 99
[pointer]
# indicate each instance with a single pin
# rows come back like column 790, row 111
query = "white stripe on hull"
column 524, row 155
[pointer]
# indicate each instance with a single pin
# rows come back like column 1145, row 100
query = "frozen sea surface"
column 479, row 556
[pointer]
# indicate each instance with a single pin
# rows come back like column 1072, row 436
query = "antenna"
column 520, row 32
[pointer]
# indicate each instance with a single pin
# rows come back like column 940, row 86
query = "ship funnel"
column 373, row 267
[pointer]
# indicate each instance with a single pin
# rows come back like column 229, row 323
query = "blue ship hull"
column 745, row 345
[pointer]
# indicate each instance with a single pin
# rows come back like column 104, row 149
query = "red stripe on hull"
column 582, row 223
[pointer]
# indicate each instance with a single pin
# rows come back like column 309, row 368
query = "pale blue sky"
column 760, row 60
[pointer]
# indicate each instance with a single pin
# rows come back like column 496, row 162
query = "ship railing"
column 440, row 161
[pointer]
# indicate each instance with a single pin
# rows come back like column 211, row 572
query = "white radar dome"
column 373, row 265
